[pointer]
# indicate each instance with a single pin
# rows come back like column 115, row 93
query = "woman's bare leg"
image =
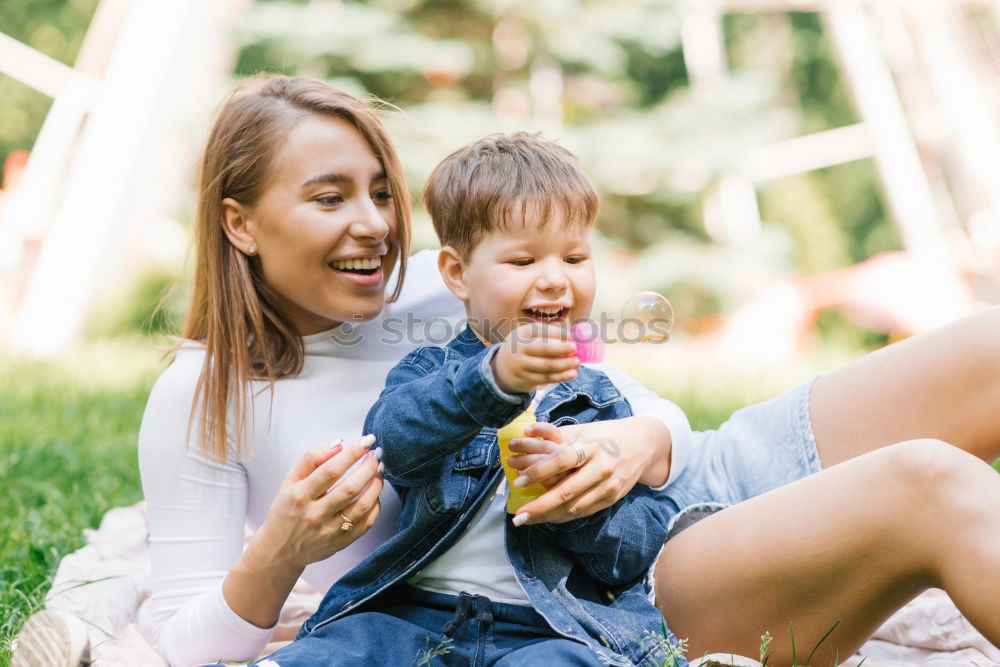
column 943, row 384
column 851, row 543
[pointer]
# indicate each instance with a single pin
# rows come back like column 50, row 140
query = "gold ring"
column 581, row 454
column 347, row 526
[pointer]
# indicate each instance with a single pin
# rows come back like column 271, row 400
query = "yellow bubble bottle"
column 515, row 429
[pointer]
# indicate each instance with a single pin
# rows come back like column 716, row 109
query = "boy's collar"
column 467, row 341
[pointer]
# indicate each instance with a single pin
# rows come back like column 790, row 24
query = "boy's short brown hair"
column 498, row 180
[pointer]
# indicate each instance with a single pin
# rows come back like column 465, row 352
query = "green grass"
column 67, row 454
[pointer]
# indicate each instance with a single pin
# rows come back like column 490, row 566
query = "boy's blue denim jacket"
column 436, row 421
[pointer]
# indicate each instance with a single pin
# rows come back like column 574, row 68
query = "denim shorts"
column 760, row 448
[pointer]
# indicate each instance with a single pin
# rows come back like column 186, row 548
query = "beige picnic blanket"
column 107, row 581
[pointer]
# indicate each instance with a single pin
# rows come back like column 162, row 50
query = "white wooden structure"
column 112, row 152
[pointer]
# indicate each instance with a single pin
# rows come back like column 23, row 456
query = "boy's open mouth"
column 546, row 314
column 365, row 267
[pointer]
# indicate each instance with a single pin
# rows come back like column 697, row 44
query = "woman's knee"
column 929, row 463
column 940, row 477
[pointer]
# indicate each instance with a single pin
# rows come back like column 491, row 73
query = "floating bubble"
column 647, row 317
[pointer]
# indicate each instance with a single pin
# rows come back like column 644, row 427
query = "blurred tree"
column 836, row 215
column 606, row 77
column 800, row 204
column 852, row 189
column 54, row 27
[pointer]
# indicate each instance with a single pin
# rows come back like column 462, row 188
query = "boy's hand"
column 542, row 440
column 534, row 354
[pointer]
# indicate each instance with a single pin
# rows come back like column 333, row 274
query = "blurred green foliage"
column 54, row 27
column 460, row 69
column 154, row 304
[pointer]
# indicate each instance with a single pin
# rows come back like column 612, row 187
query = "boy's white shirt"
column 198, row 508
column 477, row 563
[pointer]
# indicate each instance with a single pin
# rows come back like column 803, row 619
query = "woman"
column 302, row 216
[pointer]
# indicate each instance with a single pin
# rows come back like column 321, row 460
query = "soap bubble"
column 647, row 317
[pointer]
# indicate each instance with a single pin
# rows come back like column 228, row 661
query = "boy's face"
column 527, row 272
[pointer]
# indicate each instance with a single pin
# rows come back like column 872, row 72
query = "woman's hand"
column 319, row 497
column 616, row 455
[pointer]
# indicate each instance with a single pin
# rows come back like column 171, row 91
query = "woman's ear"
column 235, row 223
column 453, row 272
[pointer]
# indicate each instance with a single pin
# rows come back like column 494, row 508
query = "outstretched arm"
column 431, row 407
column 615, row 453
column 662, row 443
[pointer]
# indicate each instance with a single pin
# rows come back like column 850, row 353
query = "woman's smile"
column 362, row 277
column 363, row 272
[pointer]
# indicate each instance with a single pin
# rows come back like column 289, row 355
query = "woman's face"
column 325, row 226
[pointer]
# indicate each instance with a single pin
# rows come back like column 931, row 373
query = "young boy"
column 462, row 579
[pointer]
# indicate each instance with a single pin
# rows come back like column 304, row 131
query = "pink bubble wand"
column 589, row 346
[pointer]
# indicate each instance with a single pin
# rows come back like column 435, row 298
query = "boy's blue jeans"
column 412, row 623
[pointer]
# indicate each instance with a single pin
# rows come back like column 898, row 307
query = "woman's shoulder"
column 164, row 427
column 179, row 380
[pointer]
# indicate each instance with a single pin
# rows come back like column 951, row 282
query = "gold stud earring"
column 251, row 250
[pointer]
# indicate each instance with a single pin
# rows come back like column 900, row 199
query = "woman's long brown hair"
column 233, row 312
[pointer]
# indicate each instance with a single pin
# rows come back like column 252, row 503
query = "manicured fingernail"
column 339, row 442
column 381, row 468
column 377, row 454
column 521, row 519
column 519, row 482
column 367, row 441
